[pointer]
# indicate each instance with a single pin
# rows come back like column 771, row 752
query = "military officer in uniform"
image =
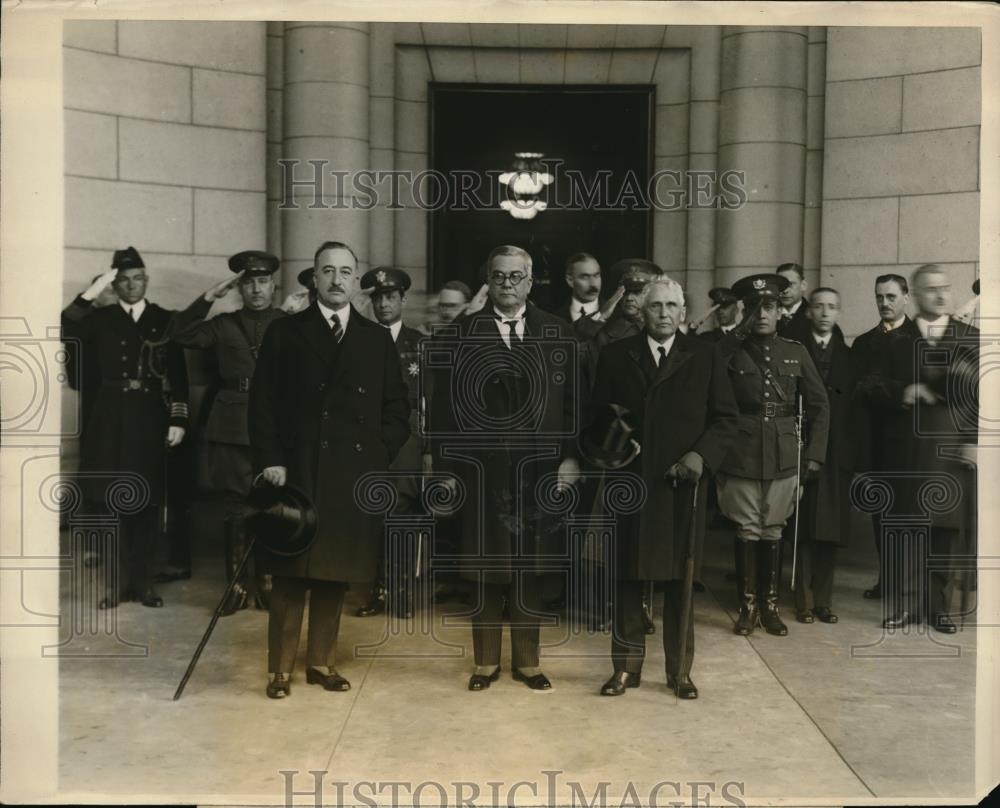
column 387, row 287
column 757, row 483
column 725, row 315
column 139, row 410
column 235, row 337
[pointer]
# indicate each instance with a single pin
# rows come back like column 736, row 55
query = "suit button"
column 322, row 385
column 325, row 444
column 124, row 375
column 326, row 413
column 357, row 447
column 124, row 358
column 123, row 342
column 767, row 358
column 361, row 390
column 361, row 419
column 767, row 395
column 766, row 419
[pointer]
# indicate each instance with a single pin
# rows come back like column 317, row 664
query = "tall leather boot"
column 746, row 586
column 768, row 564
column 235, row 547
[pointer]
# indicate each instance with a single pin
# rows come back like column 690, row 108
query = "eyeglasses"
column 500, row 278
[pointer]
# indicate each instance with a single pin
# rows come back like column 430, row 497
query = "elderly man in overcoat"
column 327, row 405
column 677, row 390
column 503, row 422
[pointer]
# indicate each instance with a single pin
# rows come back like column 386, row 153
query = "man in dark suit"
column 503, row 420
column 793, row 318
column 676, row 388
column 825, row 506
column 327, row 405
column 927, row 389
column 387, row 287
column 583, row 277
column 225, row 465
column 139, row 410
column 892, row 296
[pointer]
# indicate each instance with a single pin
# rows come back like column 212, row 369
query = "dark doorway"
column 477, row 128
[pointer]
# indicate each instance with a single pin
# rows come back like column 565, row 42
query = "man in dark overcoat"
column 927, row 388
column 583, row 277
column 503, row 421
column 677, row 390
column 139, row 410
column 793, row 319
column 225, row 463
column 892, row 297
column 825, row 507
column 327, row 406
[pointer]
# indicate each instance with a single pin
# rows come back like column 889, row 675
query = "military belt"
column 769, row 409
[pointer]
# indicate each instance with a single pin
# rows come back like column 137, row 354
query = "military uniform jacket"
column 766, row 376
column 235, row 338
column 140, row 387
column 330, row 413
column 685, row 404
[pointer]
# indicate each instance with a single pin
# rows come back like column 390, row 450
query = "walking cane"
column 798, row 484
column 215, row 619
column 688, row 578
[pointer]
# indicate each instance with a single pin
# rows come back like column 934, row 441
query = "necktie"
column 512, row 324
column 583, row 312
column 663, row 355
column 336, row 329
column 131, row 313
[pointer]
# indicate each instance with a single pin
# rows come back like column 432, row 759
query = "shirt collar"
column 588, row 308
column 518, row 316
column 822, row 341
column 792, row 309
column 139, row 307
column 932, row 328
column 343, row 313
column 725, row 329
column 892, row 326
column 654, row 346
column 394, row 329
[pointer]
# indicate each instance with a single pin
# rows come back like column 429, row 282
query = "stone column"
column 762, row 132
column 812, row 232
column 326, row 118
column 275, row 77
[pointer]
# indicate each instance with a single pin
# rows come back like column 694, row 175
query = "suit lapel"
column 343, row 354
column 316, row 333
column 678, row 355
column 638, row 352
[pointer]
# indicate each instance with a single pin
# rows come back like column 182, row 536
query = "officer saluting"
column 235, row 337
column 757, row 482
column 388, row 287
column 139, row 409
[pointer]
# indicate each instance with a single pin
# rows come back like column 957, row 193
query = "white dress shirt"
column 588, row 308
column 932, row 329
column 654, row 347
column 394, row 329
column 790, row 311
column 134, row 310
column 505, row 329
column 343, row 313
column 822, row 341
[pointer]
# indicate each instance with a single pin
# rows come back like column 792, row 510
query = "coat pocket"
column 788, row 445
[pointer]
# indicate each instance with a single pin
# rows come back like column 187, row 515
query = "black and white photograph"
column 498, row 404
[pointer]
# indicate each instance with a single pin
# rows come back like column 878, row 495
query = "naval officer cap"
column 254, row 263
column 633, row 273
column 385, row 279
column 128, row 258
column 722, row 296
column 766, row 285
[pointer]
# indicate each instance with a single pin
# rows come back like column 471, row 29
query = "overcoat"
column 410, row 363
column 139, row 387
column 329, row 413
column 826, row 502
column 685, row 405
column 502, row 420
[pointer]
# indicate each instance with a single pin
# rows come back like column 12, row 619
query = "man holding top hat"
column 387, row 287
column 327, row 406
column 758, row 482
column 672, row 389
column 139, row 409
column 225, row 464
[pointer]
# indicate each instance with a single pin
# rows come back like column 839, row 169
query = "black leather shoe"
column 152, row 600
column 375, row 605
column 330, row 681
column 107, row 603
column 480, row 682
column 682, row 686
column 824, row 615
column 874, row 593
column 803, row 616
column 237, row 600
column 537, row 682
column 900, row 620
column 279, row 686
column 697, row 586
column 615, row 686
column 944, row 624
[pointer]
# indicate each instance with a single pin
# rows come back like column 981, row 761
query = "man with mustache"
column 892, row 297
column 225, row 463
column 327, row 406
column 583, row 276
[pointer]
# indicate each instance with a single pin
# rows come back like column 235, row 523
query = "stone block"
column 237, row 46
column 542, row 36
column 95, row 35
column 764, row 59
column 860, row 231
column 494, row 35
column 236, row 100
column 446, row 33
column 871, row 107
column 275, row 115
column 542, row 66
column 587, row 66
column 704, row 128
column 412, row 120
column 226, row 222
column 941, row 100
column 816, row 79
column 762, row 114
column 497, row 65
column 452, row 64
column 275, row 56
column 670, row 239
column 633, row 67
column 671, row 130
column 91, row 143
column 939, row 227
column 412, row 74
column 382, row 60
column 672, row 76
column 326, row 53
column 640, row 36
column 411, row 237
column 326, row 110
column 760, row 235
column 591, row 36
column 382, row 126
column 774, row 171
column 815, row 115
column 867, row 52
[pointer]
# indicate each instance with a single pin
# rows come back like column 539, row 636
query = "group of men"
column 509, row 405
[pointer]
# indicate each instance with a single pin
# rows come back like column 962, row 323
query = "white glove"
column 98, row 286
column 175, row 434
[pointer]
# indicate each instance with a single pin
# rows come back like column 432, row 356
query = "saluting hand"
column 175, row 434
column 99, row 285
column 914, row 392
column 609, row 307
column 296, row 301
column 222, row 287
column 478, row 300
column 275, row 475
column 568, row 474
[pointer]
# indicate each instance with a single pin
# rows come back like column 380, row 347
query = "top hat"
column 254, row 263
column 722, row 296
column 765, row 285
column 282, row 520
column 128, row 258
column 385, row 279
column 608, row 443
column 633, row 273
